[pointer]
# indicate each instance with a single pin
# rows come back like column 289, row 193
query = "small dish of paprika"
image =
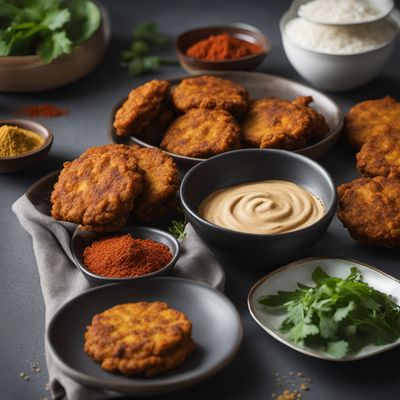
column 128, row 255
column 238, row 47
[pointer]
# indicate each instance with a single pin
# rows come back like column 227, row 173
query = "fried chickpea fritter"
column 139, row 338
column 380, row 155
column 97, row 191
column 141, row 108
column 370, row 209
column 366, row 118
column 202, row 133
column 210, row 92
column 281, row 124
column 160, row 179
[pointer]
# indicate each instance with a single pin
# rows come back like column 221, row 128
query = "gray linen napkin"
column 61, row 280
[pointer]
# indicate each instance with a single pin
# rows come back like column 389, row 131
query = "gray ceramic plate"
column 286, row 278
column 217, row 332
column 262, row 85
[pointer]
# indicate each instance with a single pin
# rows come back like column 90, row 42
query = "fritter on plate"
column 97, row 191
column 202, row 133
column 141, row 108
column 210, row 92
column 160, row 180
column 282, row 124
column 370, row 209
column 160, row 184
column 366, row 118
column 139, row 338
column 380, row 155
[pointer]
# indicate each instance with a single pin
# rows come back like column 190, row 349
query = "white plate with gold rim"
column 286, row 278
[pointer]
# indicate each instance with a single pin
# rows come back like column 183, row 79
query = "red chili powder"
column 125, row 257
column 222, row 47
column 43, row 110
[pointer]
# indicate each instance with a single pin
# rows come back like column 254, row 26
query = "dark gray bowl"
column 235, row 167
column 81, row 239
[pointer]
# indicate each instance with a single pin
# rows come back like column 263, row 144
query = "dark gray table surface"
column 252, row 374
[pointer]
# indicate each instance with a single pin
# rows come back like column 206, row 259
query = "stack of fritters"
column 139, row 338
column 282, row 124
column 107, row 184
column 370, row 207
column 211, row 108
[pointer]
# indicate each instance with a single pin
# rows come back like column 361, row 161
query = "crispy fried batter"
column 281, row 124
column 366, row 118
column 380, row 155
column 160, row 184
column 370, row 209
column 210, row 92
column 141, row 108
column 97, row 192
column 139, row 338
column 106, row 148
column 202, row 133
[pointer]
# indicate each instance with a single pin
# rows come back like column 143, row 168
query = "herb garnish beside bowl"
column 329, row 308
column 47, row 44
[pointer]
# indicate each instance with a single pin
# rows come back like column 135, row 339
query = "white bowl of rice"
column 338, row 57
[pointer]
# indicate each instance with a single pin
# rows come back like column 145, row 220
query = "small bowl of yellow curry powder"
column 23, row 143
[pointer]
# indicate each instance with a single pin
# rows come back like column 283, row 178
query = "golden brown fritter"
column 160, row 180
column 370, row 209
column 97, row 191
column 139, row 338
column 380, row 155
column 141, row 108
column 281, row 124
column 210, row 92
column 160, row 184
column 366, row 118
column 202, row 133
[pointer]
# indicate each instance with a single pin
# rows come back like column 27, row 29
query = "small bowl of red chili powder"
column 238, row 47
column 131, row 254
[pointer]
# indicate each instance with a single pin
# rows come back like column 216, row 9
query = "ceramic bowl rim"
column 108, row 279
column 313, row 164
column 266, row 44
column 35, row 127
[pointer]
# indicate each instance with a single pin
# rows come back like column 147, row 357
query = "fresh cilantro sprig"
column 48, row 28
column 177, row 227
column 137, row 58
column 341, row 315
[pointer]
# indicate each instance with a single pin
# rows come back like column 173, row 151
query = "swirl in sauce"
column 264, row 207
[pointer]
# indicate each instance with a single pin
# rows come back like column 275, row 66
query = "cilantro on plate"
column 341, row 315
column 48, row 28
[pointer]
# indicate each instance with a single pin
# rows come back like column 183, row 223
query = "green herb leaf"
column 278, row 300
column 319, row 276
column 148, row 32
column 327, row 327
column 337, row 349
column 54, row 46
column 343, row 312
column 56, row 19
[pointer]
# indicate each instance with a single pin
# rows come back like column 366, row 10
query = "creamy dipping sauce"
column 264, row 207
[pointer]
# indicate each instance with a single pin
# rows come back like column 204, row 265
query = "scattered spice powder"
column 297, row 382
column 43, row 110
column 125, row 257
column 222, row 47
column 15, row 141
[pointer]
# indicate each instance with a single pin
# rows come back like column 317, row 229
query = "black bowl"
column 81, row 239
column 241, row 166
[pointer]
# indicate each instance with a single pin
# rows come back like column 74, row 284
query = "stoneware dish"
column 81, row 239
column 31, row 74
column 337, row 72
column 286, row 278
column 217, row 333
column 384, row 8
column 260, row 85
column 240, row 31
column 24, row 161
column 240, row 166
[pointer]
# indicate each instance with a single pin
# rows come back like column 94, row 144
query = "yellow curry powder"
column 15, row 141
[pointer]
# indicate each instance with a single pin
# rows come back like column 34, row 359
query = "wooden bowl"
column 241, row 31
column 24, row 161
column 31, row 74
